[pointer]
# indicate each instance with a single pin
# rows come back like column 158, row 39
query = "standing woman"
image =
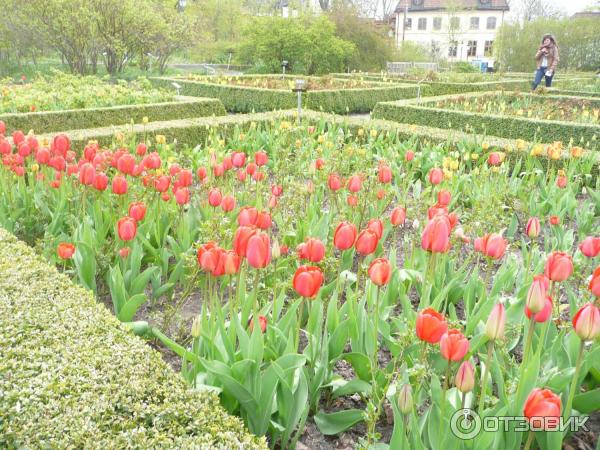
column 546, row 59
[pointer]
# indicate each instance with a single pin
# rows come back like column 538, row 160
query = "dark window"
column 437, row 23
column 452, row 49
column 488, row 48
column 408, row 24
column 474, row 23
column 455, row 23
column 472, row 48
column 491, row 23
column 422, row 25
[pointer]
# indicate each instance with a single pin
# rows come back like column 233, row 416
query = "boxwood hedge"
column 426, row 113
column 75, row 119
column 245, row 99
column 72, row 376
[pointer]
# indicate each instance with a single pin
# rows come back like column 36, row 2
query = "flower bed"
column 74, row 119
column 72, row 377
column 333, row 275
column 247, row 99
column 494, row 124
column 63, row 91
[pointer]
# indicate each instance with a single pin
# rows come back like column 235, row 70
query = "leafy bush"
column 73, row 377
column 464, row 67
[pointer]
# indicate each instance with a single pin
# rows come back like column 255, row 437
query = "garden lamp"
column 299, row 88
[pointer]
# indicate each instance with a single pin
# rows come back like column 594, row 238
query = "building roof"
column 438, row 5
column 586, row 14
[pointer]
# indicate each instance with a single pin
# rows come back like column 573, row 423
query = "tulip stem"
column 376, row 331
column 567, row 412
column 484, row 376
column 528, row 340
column 529, row 440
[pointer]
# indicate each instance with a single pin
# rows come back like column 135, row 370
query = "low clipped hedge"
column 426, row 113
column 50, row 121
column 445, row 88
column 72, row 376
column 245, row 99
column 572, row 93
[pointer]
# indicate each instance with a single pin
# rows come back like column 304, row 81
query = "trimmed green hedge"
column 72, row 376
column 50, row 121
column 246, row 99
column 446, row 88
column 572, row 93
column 426, row 113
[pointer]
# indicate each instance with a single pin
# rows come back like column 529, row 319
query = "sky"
column 573, row 6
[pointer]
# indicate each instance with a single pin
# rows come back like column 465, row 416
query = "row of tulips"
column 424, row 245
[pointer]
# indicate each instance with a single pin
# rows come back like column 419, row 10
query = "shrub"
column 73, row 377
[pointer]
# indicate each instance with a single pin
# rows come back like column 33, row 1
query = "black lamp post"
column 284, row 65
column 299, row 88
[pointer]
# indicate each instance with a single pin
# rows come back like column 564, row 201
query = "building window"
column 455, row 23
column 491, row 23
column 488, row 48
column 437, row 23
column 472, row 48
column 408, row 24
column 474, row 23
column 422, row 24
column 453, row 49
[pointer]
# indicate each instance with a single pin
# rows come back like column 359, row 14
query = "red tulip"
column 202, row 173
column 227, row 163
column 334, row 182
column 185, row 178
column 465, row 377
column 18, row 137
column 436, row 175
column 409, row 156
column 100, row 181
column 2, row 127
column 307, row 281
column 231, row 262
column 119, row 185
column 247, row 216
column 493, row 245
column 258, row 250
column 126, row 163
column 354, row 183
column 444, row 197
column 208, row 256
column 454, row 345
column 533, row 227
column 182, row 196
column 127, row 228
column 241, row 238
column 218, row 170
column 277, row 190
column 251, row 168
column 262, row 322
column 65, row 250
column 430, row 325
column 312, row 249
column 376, row 225
column 384, row 174
column 137, row 211
column 263, row 220
column 272, row 202
column 141, row 149
column 61, row 144
column 366, row 243
column 561, row 182
column 24, row 150
column 586, row 322
column 228, row 203
column 124, row 252
column 152, row 161
column 241, row 175
column 494, row 159
column 5, row 147
column 544, row 314
column 238, row 159
column 380, row 271
column 352, row 200
column 261, row 158
column 344, row 236
column 559, row 266
column 214, row 197
column 594, row 285
column 554, row 220
column 590, row 246
column 319, row 163
column 87, row 174
column 398, row 216
column 436, row 235
column 543, row 403
column 162, row 183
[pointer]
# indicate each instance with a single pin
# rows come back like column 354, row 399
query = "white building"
column 457, row 30
column 292, row 8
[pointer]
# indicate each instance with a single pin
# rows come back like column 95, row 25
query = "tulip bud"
column 533, row 227
column 196, row 327
column 586, row 322
column 465, row 377
column 275, row 249
column 537, row 294
column 494, row 327
column 405, row 399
